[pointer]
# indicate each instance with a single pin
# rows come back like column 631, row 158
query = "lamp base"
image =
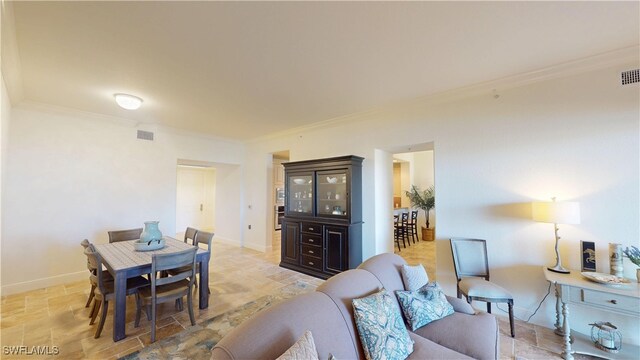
column 559, row 269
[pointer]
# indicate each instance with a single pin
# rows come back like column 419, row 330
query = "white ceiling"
column 245, row 69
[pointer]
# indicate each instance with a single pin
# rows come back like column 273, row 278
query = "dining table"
column 123, row 262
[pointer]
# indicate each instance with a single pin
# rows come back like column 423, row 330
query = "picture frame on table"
column 588, row 255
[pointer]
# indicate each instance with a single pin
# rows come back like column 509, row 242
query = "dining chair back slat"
column 124, row 235
column 203, row 237
column 190, row 234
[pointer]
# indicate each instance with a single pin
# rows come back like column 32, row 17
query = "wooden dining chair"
column 206, row 238
column 190, row 234
column 93, row 281
column 124, row 235
column 171, row 288
column 104, row 291
column 471, row 264
column 85, row 244
column 201, row 237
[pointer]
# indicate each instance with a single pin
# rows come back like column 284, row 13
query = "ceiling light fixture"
column 127, row 101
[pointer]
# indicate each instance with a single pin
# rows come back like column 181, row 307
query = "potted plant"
column 426, row 201
column 634, row 255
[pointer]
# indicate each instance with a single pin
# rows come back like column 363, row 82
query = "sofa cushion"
column 269, row 333
column 386, row 268
column 414, row 277
column 473, row 335
column 303, row 349
column 380, row 326
column 427, row 349
column 424, row 305
column 342, row 289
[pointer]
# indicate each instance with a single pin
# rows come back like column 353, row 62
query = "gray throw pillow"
column 424, row 305
column 414, row 277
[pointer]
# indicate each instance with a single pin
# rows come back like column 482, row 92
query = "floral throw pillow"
column 380, row 326
column 424, row 305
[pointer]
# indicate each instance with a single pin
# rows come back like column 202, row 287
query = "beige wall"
column 72, row 175
column 5, row 118
column 574, row 136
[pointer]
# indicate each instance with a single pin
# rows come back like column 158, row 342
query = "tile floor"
column 56, row 316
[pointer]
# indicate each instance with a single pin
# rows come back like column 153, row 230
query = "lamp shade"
column 556, row 212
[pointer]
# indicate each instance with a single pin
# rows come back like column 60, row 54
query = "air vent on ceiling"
column 145, row 135
column 630, row 77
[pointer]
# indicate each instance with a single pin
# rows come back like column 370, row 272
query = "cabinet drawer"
column 312, row 262
column 311, row 239
column 312, row 228
column 312, row 250
column 613, row 302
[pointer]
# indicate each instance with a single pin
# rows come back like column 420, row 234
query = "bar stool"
column 396, row 232
column 413, row 226
column 404, row 226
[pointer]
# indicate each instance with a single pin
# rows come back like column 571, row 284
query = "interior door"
column 195, row 198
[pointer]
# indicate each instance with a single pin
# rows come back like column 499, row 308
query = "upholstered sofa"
column 328, row 314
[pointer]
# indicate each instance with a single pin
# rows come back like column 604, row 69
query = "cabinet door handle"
column 310, row 251
column 310, row 263
column 614, row 302
column 310, row 240
column 310, row 229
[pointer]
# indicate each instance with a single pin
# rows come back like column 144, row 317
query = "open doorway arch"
column 208, row 198
column 412, row 240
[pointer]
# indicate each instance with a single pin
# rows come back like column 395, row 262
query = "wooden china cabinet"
column 322, row 227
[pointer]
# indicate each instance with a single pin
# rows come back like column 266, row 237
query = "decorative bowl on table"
column 298, row 181
column 606, row 279
column 144, row 245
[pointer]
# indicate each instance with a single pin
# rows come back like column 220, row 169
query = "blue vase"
column 151, row 231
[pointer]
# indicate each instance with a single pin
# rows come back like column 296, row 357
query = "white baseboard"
column 223, row 240
column 257, row 247
column 43, row 283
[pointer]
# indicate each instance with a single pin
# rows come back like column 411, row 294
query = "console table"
column 574, row 288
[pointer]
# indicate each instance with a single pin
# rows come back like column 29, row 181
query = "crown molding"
column 87, row 115
column 599, row 61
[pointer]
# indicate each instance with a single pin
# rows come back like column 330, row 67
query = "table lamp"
column 556, row 213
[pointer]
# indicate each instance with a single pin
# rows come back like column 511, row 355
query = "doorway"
column 195, row 198
column 415, row 168
column 277, row 196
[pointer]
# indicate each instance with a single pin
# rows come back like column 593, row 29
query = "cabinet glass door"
column 332, row 193
column 300, row 193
